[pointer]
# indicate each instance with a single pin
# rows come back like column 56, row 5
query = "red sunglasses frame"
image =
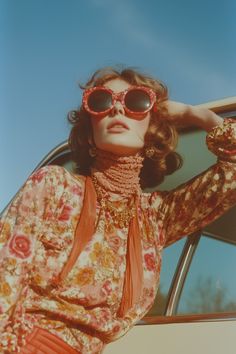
column 120, row 96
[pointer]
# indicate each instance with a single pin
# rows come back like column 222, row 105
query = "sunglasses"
column 136, row 100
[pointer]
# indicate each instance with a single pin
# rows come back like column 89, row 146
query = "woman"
column 81, row 253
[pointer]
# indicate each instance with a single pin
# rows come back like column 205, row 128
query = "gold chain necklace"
column 121, row 211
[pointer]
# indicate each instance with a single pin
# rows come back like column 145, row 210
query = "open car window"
column 210, row 285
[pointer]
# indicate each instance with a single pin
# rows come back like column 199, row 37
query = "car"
column 195, row 307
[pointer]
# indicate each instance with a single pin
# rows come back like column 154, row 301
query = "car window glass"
column 210, row 285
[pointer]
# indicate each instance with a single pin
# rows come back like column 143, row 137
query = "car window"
column 210, row 285
column 170, row 259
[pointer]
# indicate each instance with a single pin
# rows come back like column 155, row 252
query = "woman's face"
column 117, row 132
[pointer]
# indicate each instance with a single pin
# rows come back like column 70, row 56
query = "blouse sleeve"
column 203, row 199
column 19, row 225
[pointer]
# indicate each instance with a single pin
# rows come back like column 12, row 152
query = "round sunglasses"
column 136, row 100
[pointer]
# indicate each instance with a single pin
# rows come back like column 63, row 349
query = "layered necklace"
column 116, row 181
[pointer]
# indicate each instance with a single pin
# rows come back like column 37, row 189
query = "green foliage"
column 207, row 296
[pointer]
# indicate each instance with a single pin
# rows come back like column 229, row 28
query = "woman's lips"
column 117, row 129
column 117, row 126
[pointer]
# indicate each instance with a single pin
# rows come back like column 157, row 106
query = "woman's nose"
column 118, row 109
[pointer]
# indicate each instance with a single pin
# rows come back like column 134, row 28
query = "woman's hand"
column 183, row 115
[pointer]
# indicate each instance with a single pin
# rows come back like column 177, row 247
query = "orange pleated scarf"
column 44, row 342
column 83, row 234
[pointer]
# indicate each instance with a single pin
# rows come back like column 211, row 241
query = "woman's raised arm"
column 186, row 115
column 203, row 199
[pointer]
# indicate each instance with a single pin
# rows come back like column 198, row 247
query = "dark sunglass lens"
column 99, row 101
column 137, row 100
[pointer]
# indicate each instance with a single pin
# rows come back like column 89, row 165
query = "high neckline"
column 117, row 174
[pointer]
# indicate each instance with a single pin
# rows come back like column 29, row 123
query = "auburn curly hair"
column 161, row 133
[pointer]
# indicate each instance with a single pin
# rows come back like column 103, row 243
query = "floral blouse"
column 37, row 235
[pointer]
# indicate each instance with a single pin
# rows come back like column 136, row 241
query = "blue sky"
column 48, row 46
